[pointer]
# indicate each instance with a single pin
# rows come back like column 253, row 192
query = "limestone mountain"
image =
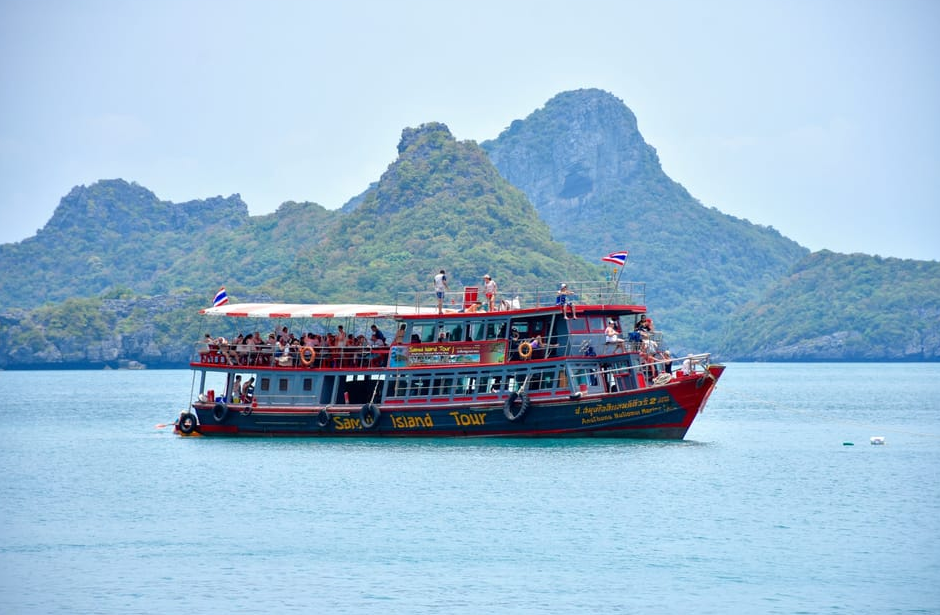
column 112, row 234
column 583, row 163
column 440, row 204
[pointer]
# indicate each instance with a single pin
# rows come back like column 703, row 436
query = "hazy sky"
column 819, row 118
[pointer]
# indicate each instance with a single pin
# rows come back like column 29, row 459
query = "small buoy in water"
column 877, row 439
column 848, row 444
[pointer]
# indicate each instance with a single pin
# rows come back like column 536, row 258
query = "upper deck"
column 554, row 325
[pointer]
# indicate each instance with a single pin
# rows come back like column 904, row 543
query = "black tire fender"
column 187, row 423
column 220, row 412
column 369, row 415
column 509, row 408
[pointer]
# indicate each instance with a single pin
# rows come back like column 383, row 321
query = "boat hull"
column 656, row 412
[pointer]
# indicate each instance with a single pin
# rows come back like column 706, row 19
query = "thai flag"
column 617, row 258
column 220, row 298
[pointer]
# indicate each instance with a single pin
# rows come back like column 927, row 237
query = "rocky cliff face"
column 579, row 147
column 113, row 348
column 127, row 208
column 587, row 170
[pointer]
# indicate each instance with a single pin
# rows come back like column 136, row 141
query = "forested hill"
column 114, row 234
column 119, row 274
column 837, row 307
column 585, row 166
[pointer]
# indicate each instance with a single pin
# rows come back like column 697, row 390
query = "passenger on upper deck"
column 207, row 346
column 378, row 338
column 561, row 300
column 399, row 335
column 613, row 336
column 489, row 289
column 440, row 286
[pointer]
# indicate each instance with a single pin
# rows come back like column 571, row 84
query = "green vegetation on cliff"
column 843, row 306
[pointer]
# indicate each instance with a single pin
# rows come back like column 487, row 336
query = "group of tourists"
column 284, row 348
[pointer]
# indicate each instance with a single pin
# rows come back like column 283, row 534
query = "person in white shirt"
column 440, row 286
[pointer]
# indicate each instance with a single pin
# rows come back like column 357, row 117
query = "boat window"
column 466, row 385
column 492, row 330
column 490, row 383
column 308, row 384
column 441, row 386
column 540, row 380
column 397, row 386
column 577, row 325
column 282, row 385
column 265, row 384
column 597, row 323
column 419, row 387
column 422, row 333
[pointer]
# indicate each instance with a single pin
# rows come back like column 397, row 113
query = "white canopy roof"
column 314, row 310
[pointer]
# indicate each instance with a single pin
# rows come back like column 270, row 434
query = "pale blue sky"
column 819, row 118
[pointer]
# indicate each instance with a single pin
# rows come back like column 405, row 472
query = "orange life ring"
column 307, row 355
column 525, row 350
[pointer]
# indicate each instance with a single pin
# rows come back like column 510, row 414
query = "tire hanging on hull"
column 220, row 412
column 369, row 415
column 509, row 410
column 186, row 423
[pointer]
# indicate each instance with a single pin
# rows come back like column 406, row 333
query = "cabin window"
column 265, row 384
column 282, row 385
column 441, row 387
column 597, row 323
column 398, row 385
column 308, row 384
column 540, row 380
column 577, row 325
column 466, row 385
column 492, row 331
column 419, row 387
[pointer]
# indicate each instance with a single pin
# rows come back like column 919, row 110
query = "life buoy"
column 220, row 412
column 186, row 423
column 323, row 418
column 307, row 355
column 509, row 410
column 369, row 415
column 525, row 350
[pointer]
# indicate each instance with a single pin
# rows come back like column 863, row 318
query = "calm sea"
column 762, row 509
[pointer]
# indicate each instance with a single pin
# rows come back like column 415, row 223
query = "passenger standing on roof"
column 440, row 286
column 561, row 299
column 489, row 288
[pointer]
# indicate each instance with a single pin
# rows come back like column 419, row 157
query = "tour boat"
column 556, row 363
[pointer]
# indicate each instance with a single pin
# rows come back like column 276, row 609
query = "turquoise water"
column 762, row 509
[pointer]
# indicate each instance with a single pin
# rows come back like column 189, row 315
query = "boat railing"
column 293, row 356
column 473, row 299
column 691, row 365
column 439, row 387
